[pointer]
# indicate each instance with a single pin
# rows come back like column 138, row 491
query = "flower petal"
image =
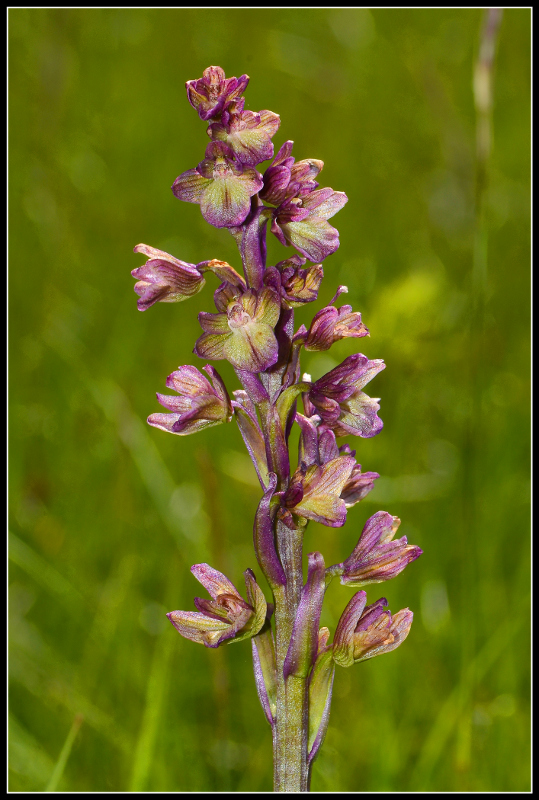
column 190, row 186
column 314, row 237
column 252, row 347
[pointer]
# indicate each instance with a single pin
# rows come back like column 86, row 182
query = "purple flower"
column 199, row 405
column 315, row 491
column 367, row 631
column 302, row 209
column 226, row 617
column 331, row 324
column 298, row 285
column 211, row 94
column 243, row 333
column 376, row 557
column 222, row 186
column 246, row 133
column 320, row 690
column 164, row 278
column 304, row 640
column 337, row 398
column 317, row 445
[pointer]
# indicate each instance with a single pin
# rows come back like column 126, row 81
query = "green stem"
column 290, row 769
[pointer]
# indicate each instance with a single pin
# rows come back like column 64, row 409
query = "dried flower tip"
column 299, row 286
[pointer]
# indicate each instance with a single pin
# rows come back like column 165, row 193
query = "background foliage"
column 108, row 514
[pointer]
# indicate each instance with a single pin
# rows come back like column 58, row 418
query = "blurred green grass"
column 108, row 514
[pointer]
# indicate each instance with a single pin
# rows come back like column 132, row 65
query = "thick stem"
column 290, row 770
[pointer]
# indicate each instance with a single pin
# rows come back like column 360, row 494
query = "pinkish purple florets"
column 221, row 185
column 253, row 329
column 367, row 631
column 302, row 209
column 377, row 557
column 226, row 617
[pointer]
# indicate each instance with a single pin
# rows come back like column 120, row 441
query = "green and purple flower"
column 198, row 405
column 303, row 210
column 337, row 398
column 255, row 331
column 244, row 333
column 315, row 491
column 164, row 278
column 376, row 557
column 221, row 185
column 317, row 445
column 211, row 94
column 247, row 134
column 226, row 617
column 367, row 631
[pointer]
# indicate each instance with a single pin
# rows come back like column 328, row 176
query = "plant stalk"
column 290, row 768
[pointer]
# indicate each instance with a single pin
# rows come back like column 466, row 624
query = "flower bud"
column 331, row 324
